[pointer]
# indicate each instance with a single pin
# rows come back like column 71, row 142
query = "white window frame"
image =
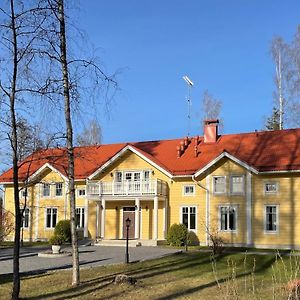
column 78, row 192
column 196, row 216
column 231, row 185
column 22, row 193
column 23, row 218
column 184, row 193
column 123, row 172
column 271, row 193
column 62, row 189
column 235, row 206
column 213, row 183
column 52, row 208
column 42, row 193
column 82, row 216
column 277, row 219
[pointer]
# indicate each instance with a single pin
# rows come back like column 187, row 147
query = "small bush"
column 177, row 235
column 63, row 230
column 216, row 244
column 55, row 240
column 193, row 239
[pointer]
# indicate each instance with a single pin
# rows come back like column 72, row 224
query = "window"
column 188, row 217
column 46, row 189
column 219, row 184
column 24, row 193
column 25, row 218
column 118, row 176
column 81, row 192
column 189, row 190
column 51, row 217
column 271, row 187
column 271, row 218
column 80, row 217
column 146, row 175
column 237, row 185
column 228, row 216
column 58, row 189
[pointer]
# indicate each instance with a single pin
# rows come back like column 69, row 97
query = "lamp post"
column 128, row 221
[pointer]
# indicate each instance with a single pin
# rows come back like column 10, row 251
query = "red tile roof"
column 264, row 151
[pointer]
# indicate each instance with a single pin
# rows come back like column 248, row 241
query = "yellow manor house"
column 244, row 186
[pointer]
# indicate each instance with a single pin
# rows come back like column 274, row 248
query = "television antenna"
column 190, row 84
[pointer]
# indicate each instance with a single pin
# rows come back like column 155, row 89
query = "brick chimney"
column 210, row 131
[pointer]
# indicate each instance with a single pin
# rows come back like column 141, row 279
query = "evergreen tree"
column 273, row 122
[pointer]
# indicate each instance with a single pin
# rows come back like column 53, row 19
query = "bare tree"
column 91, row 135
column 286, row 57
column 211, row 108
column 67, row 81
column 279, row 52
column 6, row 223
column 19, row 31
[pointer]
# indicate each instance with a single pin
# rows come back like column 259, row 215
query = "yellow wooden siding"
column 227, row 168
column 287, row 199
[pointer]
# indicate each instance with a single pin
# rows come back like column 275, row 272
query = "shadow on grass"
column 183, row 262
column 173, row 263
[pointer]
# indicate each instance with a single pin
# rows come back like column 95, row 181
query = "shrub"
column 55, row 240
column 216, row 243
column 63, row 230
column 177, row 235
column 193, row 239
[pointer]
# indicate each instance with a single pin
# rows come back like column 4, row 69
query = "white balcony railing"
column 125, row 188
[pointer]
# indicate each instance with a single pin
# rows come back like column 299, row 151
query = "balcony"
column 154, row 187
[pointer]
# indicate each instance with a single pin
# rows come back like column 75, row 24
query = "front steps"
column 131, row 243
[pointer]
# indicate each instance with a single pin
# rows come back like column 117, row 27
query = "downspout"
column 207, row 205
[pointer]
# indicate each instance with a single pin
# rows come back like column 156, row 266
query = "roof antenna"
column 189, row 85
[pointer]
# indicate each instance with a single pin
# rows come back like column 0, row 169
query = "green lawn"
column 25, row 244
column 182, row 276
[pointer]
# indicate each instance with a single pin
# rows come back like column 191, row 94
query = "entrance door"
column 129, row 212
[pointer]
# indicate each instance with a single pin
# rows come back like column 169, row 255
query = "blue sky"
column 223, row 46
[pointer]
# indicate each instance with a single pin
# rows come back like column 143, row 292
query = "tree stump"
column 122, row 278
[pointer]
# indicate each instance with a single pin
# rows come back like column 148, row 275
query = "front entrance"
column 129, row 212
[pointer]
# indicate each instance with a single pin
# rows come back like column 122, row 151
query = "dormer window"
column 46, row 190
column 271, row 188
column 58, row 189
column 219, row 184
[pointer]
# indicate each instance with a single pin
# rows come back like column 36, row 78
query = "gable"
column 121, row 155
column 128, row 161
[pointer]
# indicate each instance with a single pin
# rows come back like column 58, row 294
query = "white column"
column 137, row 218
column 249, row 207
column 155, row 219
column 165, row 218
column 102, row 218
column 207, row 213
column 97, row 219
column 37, row 210
column 86, row 215
column 66, row 200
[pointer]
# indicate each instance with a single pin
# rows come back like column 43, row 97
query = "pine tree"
column 273, row 122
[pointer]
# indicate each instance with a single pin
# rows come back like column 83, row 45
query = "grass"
column 7, row 244
column 191, row 275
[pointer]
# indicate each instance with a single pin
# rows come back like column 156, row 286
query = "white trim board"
column 231, row 157
column 42, row 168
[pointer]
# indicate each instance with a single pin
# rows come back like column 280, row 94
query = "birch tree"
column 20, row 27
column 91, row 135
column 67, row 81
column 211, row 108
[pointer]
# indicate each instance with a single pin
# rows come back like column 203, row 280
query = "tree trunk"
column 70, row 150
column 14, row 143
